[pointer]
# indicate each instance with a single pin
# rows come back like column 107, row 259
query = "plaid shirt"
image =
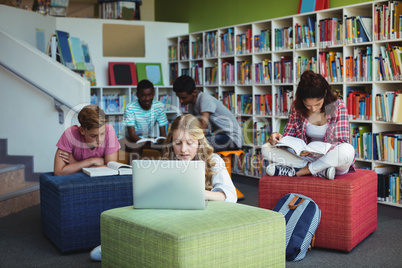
column 337, row 128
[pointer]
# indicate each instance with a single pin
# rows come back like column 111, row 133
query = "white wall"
column 28, row 118
column 156, row 34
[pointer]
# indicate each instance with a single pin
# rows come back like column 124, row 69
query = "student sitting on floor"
column 92, row 144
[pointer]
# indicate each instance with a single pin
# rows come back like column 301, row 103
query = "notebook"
column 164, row 184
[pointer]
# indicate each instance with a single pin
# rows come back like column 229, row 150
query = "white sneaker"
column 96, row 254
column 328, row 173
column 280, row 170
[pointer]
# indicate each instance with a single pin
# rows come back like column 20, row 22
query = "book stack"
column 211, row 44
column 227, row 74
column 263, row 104
column 331, row 32
column 283, row 100
column 389, row 62
column 388, row 20
column 358, row 29
column 244, row 42
column 196, row 49
column 388, row 106
column 304, row 63
column 184, row 49
column 263, row 72
column 227, row 43
column 244, row 104
column 72, row 53
column 331, row 65
column 244, row 72
column 172, row 52
column 210, row 75
column 283, row 70
column 305, row 34
column 359, row 66
column 262, row 42
column 283, row 38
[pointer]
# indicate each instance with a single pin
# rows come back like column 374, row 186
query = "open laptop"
column 169, row 184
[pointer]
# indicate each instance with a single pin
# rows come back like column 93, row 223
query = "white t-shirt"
column 221, row 181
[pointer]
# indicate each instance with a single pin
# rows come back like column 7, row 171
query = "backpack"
column 302, row 217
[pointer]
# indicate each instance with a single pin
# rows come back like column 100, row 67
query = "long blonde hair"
column 192, row 126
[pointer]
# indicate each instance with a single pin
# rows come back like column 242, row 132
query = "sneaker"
column 96, row 254
column 328, row 173
column 280, row 170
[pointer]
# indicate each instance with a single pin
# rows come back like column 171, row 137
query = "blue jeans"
column 221, row 142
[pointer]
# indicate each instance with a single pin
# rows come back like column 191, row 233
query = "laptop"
column 168, row 184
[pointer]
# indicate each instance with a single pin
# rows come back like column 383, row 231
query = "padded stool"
column 223, row 235
column 227, row 157
column 71, row 206
column 348, row 204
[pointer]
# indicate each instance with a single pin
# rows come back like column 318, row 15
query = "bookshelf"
column 281, row 49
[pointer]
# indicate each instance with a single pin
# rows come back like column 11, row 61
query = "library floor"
column 22, row 243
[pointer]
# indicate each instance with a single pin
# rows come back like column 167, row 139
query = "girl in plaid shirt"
column 316, row 115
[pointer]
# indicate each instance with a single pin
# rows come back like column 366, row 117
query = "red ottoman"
column 348, row 204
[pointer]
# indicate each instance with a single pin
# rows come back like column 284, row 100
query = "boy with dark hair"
column 226, row 132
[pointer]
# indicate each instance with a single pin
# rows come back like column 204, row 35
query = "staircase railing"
column 57, row 102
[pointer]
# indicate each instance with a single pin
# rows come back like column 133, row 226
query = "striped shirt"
column 144, row 120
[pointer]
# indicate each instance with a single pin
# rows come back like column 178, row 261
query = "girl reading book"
column 186, row 141
column 316, row 115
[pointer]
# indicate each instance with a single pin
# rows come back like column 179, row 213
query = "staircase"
column 16, row 193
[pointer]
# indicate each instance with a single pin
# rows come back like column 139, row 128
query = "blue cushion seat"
column 71, row 206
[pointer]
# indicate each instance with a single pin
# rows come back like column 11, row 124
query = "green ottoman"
column 223, row 235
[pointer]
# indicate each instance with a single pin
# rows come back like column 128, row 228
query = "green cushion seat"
column 223, row 235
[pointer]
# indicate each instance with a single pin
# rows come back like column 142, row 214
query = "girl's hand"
column 275, row 138
column 98, row 161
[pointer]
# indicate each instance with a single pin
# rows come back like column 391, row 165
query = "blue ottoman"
column 71, row 206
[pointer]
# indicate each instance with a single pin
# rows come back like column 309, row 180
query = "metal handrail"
column 57, row 102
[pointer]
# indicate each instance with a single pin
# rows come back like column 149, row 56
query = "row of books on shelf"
column 389, row 184
column 227, row 73
column 73, row 53
column 126, row 10
column 172, row 52
column 245, row 104
column 283, row 70
column 249, row 164
column 183, row 47
column 381, row 146
column 331, row 65
column 255, row 133
column 196, row 72
column 244, row 75
column 263, row 104
column 263, row 71
column 358, row 102
column 359, row 66
column 305, row 34
column 389, row 62
column 262, row 41
column 227, row 43
column 331, row 32
column 196, row 49
column 211, row 44
column 387, row 20
column 244, row 43
column 388, row 106
column 211, row 75
column 284, row 38
column 283, row 100
column 304, row 63
column 358, row 29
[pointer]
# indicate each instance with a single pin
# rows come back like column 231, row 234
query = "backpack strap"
column 294, row 200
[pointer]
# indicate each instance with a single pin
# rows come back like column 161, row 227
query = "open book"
column 153, row 140
column 113, row 168
column 297, row 146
